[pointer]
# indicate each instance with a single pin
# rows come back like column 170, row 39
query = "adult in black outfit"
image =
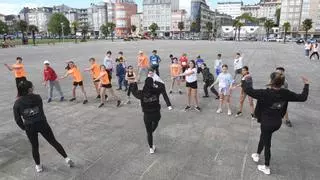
column 29, row 107
column 271, row 107
column 149, row 98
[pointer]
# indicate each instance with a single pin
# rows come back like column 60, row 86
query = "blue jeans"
column 121, row 79
column 307, row 51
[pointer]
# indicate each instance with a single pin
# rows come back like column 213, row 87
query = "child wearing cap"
column 18, row 69
column 50, row 80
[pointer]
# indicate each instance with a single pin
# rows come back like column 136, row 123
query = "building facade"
column 97, row 16
column 124, row 9
column 40, row 17
column 230, row 8
column 137, row 20
column 159, row 12
column 176, row 17
column 2, row 17
column 265, row 9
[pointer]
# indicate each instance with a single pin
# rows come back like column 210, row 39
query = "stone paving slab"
column 110, row 143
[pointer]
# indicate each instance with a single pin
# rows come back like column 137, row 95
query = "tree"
column 180, row 27
column 33, row 29
column 286, row 27
column 193, row 27
column 75, row 26
column 235, row 25
column 22, row 26
column 153, row 28
column 268, row 24
column 239, row 25
column 209, row 27
column 58, row 22
column 104, row 30
column 307, row 25
column 278, row 14
column 111, row 26
column 3, row 27
column 84, row 31
column 133, row 28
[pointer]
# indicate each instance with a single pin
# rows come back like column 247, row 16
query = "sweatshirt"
column 28, row 110
column 120, row 70
column 272, row 104
column 207, row 76
column 149, row 100
column 49, row 74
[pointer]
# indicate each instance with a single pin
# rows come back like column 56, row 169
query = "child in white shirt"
column 218, row 65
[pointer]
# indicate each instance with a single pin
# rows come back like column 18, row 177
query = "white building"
column 230, row 8
column 137, row 20
column 97, row 16
column 266, row 9
column 2, row 17
column 160, row 12
column 179, row 16
column 40, row 17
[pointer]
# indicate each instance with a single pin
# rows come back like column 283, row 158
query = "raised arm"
column 134, row 89
column 65, row 75
column 9, row 67
column 291, row 96
column 17, row 117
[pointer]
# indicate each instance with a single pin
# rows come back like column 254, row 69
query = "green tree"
column 104, row 30
column 268, row 24
column 84, row 31
column 209, row 27
column 22, row 26
column 111, row 26
column 286, row 27
column 306, row 26
column 58, row 22
column 180, row 27
column 278, row 14
column 75, row 26
column 239, row 25
column 133, row 28
column 153, row 28
column 3, row 27
column 193, row 27
column 33, row 29
column 235, row 25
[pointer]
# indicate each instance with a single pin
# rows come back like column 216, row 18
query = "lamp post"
column 62, row 26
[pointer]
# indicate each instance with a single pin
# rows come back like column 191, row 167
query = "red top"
column 49, row 74
column 183, row 61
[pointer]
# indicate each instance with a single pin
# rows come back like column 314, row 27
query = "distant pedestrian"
column 50, row 79
column 155, row 61
column 199, row 62
column 218, row 64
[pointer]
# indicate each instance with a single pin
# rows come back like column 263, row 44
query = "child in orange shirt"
column 18, row 69
column 73, row 70
column 95, row 72
column 175, row 70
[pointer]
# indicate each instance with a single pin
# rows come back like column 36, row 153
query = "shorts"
column 224, row 91
column 238, row 71
column 20, row 79
column 80, row 83
column 108, row 86
column 192, row 85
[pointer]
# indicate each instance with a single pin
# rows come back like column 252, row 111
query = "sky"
column 14, row 6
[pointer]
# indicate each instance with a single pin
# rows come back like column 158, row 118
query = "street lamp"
column 62, row 25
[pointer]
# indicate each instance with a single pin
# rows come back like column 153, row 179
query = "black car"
column 300, row 41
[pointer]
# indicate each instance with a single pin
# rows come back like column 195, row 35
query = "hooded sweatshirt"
column 28, row 110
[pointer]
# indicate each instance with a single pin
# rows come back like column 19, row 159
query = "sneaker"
column 118, row 103
column 49, row 100
column 61, row 99
column 217, row 97
column 187, row 108
column 253, row 117
column 170, row 108
column 239, row 113
column 69, row 162
column 39, row 168
column 119, row 89
column 198, row 109
column 102, row 104
column 153, row 149
column 219, row 111
column 255, row 157
column 180, row 92
column 170, row 92
column 206, row 96
column 229, row 112
column 72, row 99
column 85, row 102
column 98, row 97
column 288, row 123
column 264, row 169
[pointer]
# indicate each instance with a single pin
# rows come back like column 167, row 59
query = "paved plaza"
column 110, row 143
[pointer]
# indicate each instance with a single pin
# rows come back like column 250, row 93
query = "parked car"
column 252, row 39
column 279, row 39
column 300, row 41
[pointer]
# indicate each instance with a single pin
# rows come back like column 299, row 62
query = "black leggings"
column 265, row 141
column 129, row 90
column 151, row 121
column 44, row 129
column 314, row 53
column 213, row 90
column 164, row 93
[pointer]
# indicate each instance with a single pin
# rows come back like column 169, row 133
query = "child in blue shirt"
column 154, row 61
column 121, row 73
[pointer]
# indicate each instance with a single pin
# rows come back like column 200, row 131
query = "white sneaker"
column 69, row 162
column 170, row 108
column 264, row 169
column 39, row 168
column 255, row 157
column 219, row 111
column 153, row 149
column 229, row 112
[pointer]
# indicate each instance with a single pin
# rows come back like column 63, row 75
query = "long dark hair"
column 148, row 87
column 194, row 63
column 24, row 88
column 276, row 80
